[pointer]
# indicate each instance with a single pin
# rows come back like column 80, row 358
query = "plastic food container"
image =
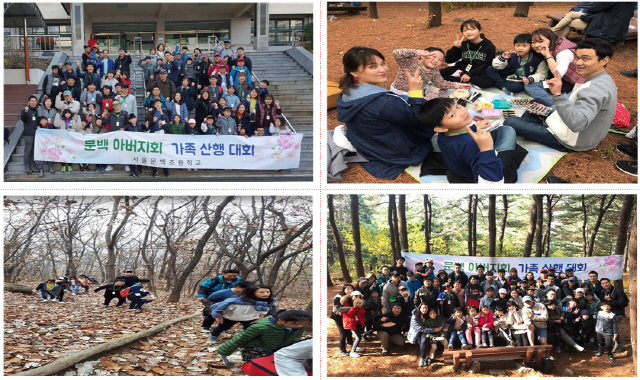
column 491, row 113
column 501, row 104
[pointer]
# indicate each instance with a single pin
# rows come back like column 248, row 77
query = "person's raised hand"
column 555, row 83
column 458, row 42
column 26, row 109
column 506, row 54
column 414, row 80
column 482, row 138
column 78, row 63
column 426, row 54
column 482, row 124
column 277, row 103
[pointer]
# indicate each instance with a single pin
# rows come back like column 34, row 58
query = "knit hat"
column 585, row 312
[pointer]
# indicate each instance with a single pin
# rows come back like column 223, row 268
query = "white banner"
column 610, row 267
column 169, row 151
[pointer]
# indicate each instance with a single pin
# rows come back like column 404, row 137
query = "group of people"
column 427, row 306
column 229, row 300
column 185, row 95
column 123, row 288
column 568, row 78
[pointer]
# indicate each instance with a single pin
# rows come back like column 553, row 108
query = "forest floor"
column 403, row 361
column 38, row 333
column 403, row 25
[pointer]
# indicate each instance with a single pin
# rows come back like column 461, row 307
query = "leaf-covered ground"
column 38, row 333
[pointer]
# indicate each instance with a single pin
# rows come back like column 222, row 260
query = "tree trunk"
column 197, row 253
column 470, row 226
column 396, row 230
column 475, row 225
column 584, row 227
column 336, row 234
column 402, row 216
column 395, row 250
column 539, row 219
column 492, row 225
column 623, row 225
column 632, row 253
column 427, row 224
column 82, row 355
column 355, row 224
column 596, row 227
column 16, row 288
column 522, row 9
column 547, row 238
column 503, row 224
column 373, row 10
column 533, row 218
column 329, row 280
column 435, row 14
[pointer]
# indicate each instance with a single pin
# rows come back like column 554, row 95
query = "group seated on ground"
column 575, row 96
column 434, row 308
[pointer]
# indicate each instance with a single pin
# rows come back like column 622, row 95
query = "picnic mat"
column 535, row 166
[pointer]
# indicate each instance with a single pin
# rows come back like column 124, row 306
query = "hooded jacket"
column 241, row 309
column 384, row 128
column 609, row 20
column 264, row 334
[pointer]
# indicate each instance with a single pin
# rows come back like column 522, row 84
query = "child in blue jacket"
column 137, row 294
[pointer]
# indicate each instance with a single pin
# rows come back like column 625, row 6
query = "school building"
column 255, row 26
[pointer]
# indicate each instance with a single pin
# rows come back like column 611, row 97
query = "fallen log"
column 76, row 357
column 17, row 288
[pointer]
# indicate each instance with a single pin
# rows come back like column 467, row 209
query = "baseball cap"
column 361, row 279
column 544, row 271
column 572, row 278
column 569, row 267
column 527, row 298
column 355, row 293
column 163, row 71
column 227, row 41
column 86, row 46
column 66, row 93
column 502, row 290
column 580, row 290
column 410, row 273
column 192, row 121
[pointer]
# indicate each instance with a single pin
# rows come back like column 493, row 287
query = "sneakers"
column 127, row 168
column 342, row 353
column 450, row 347
column 64, row 169
column 212, row 339
column 132, row 174
column 70, row 169
column 559, row 350
column 354, row 355
column 109, row 168
column 41, row 173
column 629, row 167
column 359, row 349
column 429, row 360
column 512, row 344
column 51, row 170
column 628, row 150
column 579, row 348
column 630, row 73
column 611, row 359
column 385, row 352
column 484, row 345
column 105, row 306
column 618, row 349
column 206, row 331
column 465, row 347
column 102, row 170
column 119, row 306
column 553, row 179
column 154, row 175
column 595, row 348
column 599, row 354
column 423, row 362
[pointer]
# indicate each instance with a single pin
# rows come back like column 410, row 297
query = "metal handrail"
column 15, row 42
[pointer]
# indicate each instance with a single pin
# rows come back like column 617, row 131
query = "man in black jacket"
column 400, row 269
column 112, row 290
column 618, row 301
column 458, row 275
column 392, row 328
column 129, row 278
column 29, row 117
column 123, row 62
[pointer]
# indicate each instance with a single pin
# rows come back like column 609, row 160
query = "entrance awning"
column 15, row 15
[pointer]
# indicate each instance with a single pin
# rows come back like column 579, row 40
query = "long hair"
column 354, row 58
column 548, row 34
column 249, row 294
column 471, row 24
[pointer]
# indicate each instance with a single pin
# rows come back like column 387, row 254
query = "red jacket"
column 354, row 317
column 488, row 320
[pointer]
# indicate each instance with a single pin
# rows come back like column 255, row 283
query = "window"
column 283, row 31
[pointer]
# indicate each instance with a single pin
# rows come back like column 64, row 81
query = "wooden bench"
column 524, row 353
column 345, row 7
column 554, row 18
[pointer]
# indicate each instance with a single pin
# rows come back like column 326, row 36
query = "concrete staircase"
column 290, row 84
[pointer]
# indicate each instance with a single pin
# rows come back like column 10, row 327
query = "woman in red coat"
column 267, row 113
column 354, row 320
column 92, row 41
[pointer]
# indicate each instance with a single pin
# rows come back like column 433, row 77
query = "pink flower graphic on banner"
column 286, row 142
column 291, row 155
column 612, row 260
column 277, row 157
column 54, row 154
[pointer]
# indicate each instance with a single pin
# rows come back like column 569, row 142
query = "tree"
column 402, row 217
column 533, row 219
column 539, row 219
column 632, row 253
column 435, row 14
column 492, row 225
column 522, row 9
column 336, row 235
column 503, row 223
column 427, row 224
column 623, row 224
column 373, row 10
column 355, row 224
column 393, row 231
column 604, row 206
column 212, row 223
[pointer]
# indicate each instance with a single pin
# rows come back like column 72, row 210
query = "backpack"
column 622, row 118
column 125, row 292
